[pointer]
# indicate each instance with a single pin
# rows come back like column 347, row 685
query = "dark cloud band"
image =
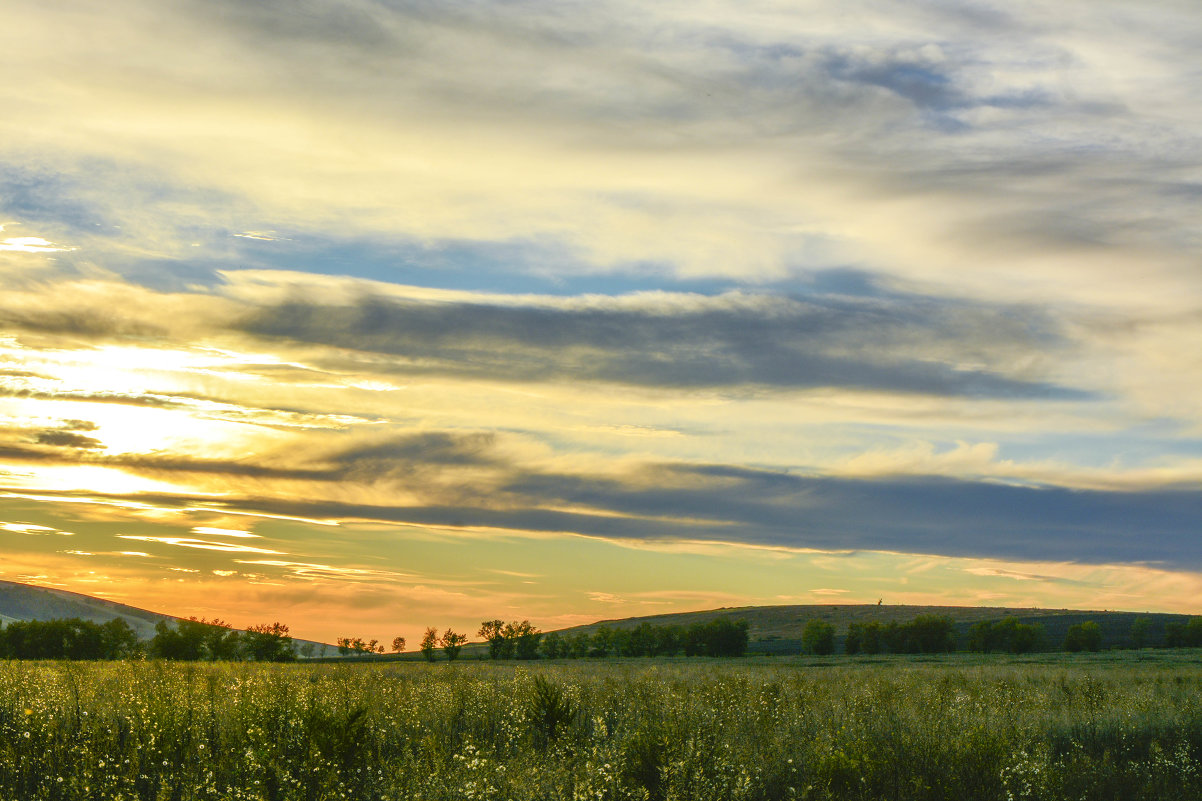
column 888, row 343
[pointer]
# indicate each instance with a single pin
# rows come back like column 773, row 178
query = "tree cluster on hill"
column 193, row 640
column 1085, row 636
column 188, row 640
column 1184, row 635
column 68, row 639
column 925, row 634
column 451, row 642
column 510, row 640
column 718, row 637
column 357, row 645
column 1007, row 635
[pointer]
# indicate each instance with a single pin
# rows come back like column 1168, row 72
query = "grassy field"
column 958, row 727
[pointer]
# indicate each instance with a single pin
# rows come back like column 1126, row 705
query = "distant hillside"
column 29, row 602
column 777, row 629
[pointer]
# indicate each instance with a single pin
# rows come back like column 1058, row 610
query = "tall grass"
column 697, row 731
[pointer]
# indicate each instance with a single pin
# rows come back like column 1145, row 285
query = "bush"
column 818, row 637
column 1085, row 636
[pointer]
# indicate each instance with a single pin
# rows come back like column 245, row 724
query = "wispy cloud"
column 30, row 528
column 189, row 542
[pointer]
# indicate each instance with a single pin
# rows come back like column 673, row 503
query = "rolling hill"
column 777, row 629
column 29, row 602
column 773, row 629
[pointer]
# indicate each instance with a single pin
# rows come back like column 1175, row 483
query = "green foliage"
column 516, row 640
column 68, row 639
column 553, row 646
column 550, row 711
column 185, row 642
column 452, row 643
column 525, row 639
column 867, row 638
column 646, row 762
column 818, row 637
column 361, row 647
column 1141, row 631
column 925, row 634
column 429, row 643
column 493, row 632
column 719, row 637
column 1085, row 636
column 269, row 642
column 704, row 730
column 1184, row 635
column 1006, row 635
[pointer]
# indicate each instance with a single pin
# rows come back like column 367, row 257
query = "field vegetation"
column 959, row 726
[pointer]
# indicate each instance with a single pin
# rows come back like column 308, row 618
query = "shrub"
column 1085, row 636
column 818, row 637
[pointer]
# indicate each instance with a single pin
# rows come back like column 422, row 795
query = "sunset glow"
column 370, row 317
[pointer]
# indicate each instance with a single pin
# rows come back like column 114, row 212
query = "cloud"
column 310, row 571
column 902, row 344
column 190, row 542
column 747, row 142
column 858, row 336
column 30, row 244
column 30, row 528
column 222, row 532
column 68, row 439
column 720, row 503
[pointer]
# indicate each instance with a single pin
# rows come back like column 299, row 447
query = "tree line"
column 69, row 639
column 188, row 640
column 718, row 637
column 523, row 641
column 215, row 640
column 929, row 634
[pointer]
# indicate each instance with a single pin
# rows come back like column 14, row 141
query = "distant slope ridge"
column 773, row 629
column 777, row 629
column 30, row 602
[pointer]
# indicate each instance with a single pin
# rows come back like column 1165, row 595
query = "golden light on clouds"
column 739, row 305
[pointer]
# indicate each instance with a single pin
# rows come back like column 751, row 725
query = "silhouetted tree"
column 185, row 642
column 552, row 646
column 493, row 633
column 429, row 643
column 269, row 642
column 118, row 640
column 452, row 642
column 398, row 644
column 525, row 639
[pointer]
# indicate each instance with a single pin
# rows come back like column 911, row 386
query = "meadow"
column 1105, row 726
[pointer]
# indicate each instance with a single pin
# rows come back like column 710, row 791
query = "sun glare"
column 89, row 478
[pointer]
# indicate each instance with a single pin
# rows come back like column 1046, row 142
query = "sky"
column 369, row 316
